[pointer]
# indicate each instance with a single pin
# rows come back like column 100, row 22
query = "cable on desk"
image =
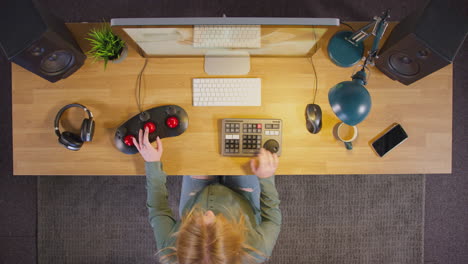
column 313, row 66
column 350, row 27
column 138, row 86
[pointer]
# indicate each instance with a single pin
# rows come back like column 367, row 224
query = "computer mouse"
column 313, row 115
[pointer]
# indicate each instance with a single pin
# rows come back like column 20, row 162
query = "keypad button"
column 275, row 126
column 237, row 126
column 268, row 126
column 259, row 126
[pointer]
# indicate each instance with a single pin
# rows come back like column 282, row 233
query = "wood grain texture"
column 424, row 109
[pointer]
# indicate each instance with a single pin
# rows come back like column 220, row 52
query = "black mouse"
column 313, row 115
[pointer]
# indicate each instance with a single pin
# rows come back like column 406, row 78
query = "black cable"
column 313, row 66
column 343, row 23
column 138, row 86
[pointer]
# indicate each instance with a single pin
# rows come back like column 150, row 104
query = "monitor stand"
column 227, row 62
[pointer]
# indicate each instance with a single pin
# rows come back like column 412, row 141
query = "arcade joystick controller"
column 164, row 121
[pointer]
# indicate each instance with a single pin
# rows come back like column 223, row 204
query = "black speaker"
column 424, row 42
column 38, row 41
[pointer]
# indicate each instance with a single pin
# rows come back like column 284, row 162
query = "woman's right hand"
column 265, row 165
column 147, row 151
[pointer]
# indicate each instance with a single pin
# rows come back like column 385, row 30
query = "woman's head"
column 204, row 237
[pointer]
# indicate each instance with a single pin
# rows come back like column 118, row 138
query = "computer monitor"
column 174, row 37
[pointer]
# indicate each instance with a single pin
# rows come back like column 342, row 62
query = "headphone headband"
column 60, row 113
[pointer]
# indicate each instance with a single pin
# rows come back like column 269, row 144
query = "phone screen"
column 389, row 140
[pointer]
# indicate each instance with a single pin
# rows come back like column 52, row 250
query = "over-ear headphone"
column 68, row 139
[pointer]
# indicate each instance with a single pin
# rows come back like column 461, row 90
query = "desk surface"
column 424, row 109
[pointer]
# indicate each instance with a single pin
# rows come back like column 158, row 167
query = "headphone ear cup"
column 70, row 141
column 87, row 130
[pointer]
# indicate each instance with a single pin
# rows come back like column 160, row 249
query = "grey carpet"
column 327, row 219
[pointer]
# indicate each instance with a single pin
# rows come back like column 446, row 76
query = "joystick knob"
column 151, row 126
column 128, row 140
column 172, row 122
column 144, row 116
column 271, row 145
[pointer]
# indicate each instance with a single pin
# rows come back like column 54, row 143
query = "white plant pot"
column 122, row 56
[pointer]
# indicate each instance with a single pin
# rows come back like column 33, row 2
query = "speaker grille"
column 404, row 64
column 57, row 62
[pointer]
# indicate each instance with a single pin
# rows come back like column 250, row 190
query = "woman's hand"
column 267, row 164
column 148, row 152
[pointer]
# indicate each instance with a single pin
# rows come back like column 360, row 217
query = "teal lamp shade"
column 350, row 100
column 342, row 52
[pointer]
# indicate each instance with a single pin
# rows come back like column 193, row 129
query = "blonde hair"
column 220, row 242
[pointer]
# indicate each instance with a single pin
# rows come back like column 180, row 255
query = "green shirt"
column 264, row 225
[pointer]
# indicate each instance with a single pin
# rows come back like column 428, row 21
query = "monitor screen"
column 174, row 37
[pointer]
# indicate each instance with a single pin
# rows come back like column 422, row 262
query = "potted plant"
column 106, row 46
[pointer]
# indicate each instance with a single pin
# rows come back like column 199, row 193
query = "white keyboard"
column 226, row 36
column 227, row 91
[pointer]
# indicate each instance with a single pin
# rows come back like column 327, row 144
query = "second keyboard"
column 226, row 91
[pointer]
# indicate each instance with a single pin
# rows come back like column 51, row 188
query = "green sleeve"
column 271, row 214
column 160, row 214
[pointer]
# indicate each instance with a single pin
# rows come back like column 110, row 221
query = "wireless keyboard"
column 245, row 137
column 227, row 92
column 226, row 36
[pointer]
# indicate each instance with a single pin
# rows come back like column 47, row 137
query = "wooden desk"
column 424, row 109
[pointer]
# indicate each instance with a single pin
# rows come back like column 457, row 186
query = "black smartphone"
column 391, row 138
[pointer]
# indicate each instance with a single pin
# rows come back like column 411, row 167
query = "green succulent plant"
column 105, row 45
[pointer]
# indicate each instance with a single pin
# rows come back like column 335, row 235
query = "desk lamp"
column 350, row 100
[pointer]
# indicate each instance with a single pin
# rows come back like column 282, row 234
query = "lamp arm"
column 360, row 35
column 378, row 31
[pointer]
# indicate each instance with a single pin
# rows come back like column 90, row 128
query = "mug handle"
column 348, row 145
